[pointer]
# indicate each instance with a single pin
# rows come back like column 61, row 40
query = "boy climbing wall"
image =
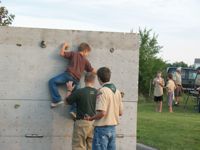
column 78, row 63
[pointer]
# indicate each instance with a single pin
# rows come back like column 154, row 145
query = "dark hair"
column 84, row 46
column 89, row 77
column 170, row 76
column 104, row 74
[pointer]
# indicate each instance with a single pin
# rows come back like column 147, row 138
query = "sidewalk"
column 144, row 147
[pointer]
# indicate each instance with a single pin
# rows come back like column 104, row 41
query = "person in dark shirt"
column 78, row 63
column 85, row 98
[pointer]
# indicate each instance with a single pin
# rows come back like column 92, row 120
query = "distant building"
column 197, row 62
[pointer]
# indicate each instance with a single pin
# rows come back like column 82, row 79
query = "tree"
column 179, row 64
column 149, row 63
column 5, row 18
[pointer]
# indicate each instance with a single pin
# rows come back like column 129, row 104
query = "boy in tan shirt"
column 108, row 109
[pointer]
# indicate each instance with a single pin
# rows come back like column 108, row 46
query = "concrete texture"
column 26, row 68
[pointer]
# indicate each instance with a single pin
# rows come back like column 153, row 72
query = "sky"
column 177, row 22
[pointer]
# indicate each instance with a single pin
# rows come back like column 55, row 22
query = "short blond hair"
column 90, row 77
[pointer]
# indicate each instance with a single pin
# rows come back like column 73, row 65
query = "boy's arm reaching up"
column 63, row 49
column 89, row 68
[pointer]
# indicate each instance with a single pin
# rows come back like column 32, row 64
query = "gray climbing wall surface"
column 25, row 69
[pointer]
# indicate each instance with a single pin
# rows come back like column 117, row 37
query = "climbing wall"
column 26, row 120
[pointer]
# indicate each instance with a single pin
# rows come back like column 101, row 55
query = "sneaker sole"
column 73, row 115
column 57, row 104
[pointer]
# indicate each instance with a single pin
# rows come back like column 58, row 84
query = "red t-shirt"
column 77, row 64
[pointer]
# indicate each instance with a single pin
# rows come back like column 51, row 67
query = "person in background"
column 158, row 83
column 197, row 79
column 85, row 98
column 170, row 91
column 178, row 82
column 108, row 109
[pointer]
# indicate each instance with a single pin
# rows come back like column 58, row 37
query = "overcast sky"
column 176, row 21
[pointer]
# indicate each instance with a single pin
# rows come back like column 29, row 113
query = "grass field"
column 179, row 130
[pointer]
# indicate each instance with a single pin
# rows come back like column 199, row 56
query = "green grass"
column 168, row 131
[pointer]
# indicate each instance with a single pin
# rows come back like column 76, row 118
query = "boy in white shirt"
column 158, row 83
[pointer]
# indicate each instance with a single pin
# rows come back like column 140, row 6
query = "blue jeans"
column 61, row 80
column 104, row 138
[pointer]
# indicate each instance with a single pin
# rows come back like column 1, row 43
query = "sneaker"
column 53, row 105
column 73, row 115
column 176, row 104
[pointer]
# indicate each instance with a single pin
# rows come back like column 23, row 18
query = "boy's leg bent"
column 58, row 80
column 73, row 108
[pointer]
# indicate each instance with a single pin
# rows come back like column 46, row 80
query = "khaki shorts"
column 82, row 135
column 178, row 91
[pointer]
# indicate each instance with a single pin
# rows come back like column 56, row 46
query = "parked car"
column 188, row 76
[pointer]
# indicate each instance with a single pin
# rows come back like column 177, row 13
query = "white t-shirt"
column 158, row 89
column 178, row 79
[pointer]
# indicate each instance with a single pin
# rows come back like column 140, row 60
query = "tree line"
column 149, row 62
column 5, row 17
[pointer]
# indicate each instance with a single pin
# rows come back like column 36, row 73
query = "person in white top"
column 158, row 83
column 178, row 82
column 109, row 108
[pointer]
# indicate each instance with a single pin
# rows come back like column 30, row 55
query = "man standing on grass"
column 178, row 82
column 108, row 109
column 197, row 79
column 85, row 99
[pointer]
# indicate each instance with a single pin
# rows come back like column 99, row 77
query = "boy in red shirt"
column 78, row 63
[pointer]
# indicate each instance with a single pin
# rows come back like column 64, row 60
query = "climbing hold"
column 18, row 44
column 122, row 94
column 16, row 106
column 112, row 50
column 43, row 44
